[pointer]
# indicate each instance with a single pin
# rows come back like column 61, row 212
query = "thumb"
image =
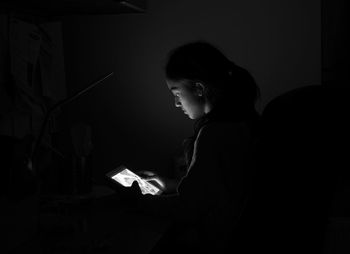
column 145, row 174
column 156, row 180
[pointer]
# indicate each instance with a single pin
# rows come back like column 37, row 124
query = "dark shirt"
column 216, row 187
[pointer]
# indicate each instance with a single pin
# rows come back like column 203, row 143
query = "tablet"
column 126, row 177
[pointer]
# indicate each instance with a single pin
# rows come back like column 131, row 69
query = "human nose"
column 177, row 102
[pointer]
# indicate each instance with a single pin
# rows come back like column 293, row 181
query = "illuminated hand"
column 166, row 185
column 153, row 179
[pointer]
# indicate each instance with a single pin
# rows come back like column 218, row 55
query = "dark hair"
column 225, row 81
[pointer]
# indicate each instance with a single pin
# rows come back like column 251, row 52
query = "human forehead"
column 178, row 85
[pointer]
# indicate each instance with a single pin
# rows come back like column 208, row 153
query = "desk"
column 17, row 222
column 99, row 222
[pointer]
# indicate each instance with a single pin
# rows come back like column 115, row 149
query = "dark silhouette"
column 295, row 183
column 208, row 198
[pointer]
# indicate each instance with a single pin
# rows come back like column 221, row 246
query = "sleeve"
column 219, row 177
column 197, row 189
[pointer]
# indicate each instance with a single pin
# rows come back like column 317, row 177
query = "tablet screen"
column 126, row 177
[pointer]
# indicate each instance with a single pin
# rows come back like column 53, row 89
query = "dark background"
column 133, row 115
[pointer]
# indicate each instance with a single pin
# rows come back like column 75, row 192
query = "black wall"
column 133, row 117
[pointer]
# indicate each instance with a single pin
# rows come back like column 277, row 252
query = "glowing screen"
column 127, row 177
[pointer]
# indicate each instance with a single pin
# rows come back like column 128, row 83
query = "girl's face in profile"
column 188, row 97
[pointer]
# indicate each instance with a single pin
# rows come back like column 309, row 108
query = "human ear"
column 199, row 89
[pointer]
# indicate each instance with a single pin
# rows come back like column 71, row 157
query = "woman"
column 206, row 202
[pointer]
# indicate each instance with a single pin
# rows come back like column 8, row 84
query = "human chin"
column 193, row 115
column 189, row 114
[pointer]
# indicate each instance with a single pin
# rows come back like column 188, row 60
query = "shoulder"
column 225, row 130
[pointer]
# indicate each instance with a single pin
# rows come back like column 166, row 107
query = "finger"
column 147, row 173
column 157, row 180
column 148, row 178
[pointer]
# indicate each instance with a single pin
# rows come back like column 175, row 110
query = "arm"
column 194, row 189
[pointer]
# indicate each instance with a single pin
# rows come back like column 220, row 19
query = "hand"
column 166, row 185
column 153, row 179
